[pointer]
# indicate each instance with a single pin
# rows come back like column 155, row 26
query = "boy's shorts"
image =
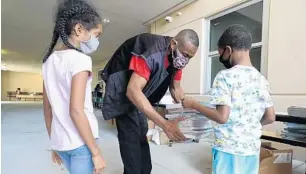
column 225, row 163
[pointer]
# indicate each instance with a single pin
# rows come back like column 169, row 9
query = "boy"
column 243, row 104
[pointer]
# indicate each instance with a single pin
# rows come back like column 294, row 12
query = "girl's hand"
column 55, row 158
column 188, row 102
column 99, row 163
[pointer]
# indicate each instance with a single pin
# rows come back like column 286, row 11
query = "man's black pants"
column 134, row 147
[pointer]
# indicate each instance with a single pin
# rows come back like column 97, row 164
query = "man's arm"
column 47, row 111
column 176, row 91
column 137, row 97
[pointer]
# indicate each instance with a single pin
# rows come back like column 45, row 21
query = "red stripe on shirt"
column 140, row 67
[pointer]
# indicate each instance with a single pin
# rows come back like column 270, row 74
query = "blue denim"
column 225, row 163
column 77, row 161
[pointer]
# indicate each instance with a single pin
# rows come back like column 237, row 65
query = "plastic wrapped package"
column 194, row 126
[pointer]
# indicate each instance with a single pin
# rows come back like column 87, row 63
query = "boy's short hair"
column 237, row 37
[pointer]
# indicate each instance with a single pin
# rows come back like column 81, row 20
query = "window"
column 249, row 15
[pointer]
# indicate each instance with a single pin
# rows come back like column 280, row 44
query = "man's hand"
column 188, row 102
column 55, row 158
column 172, row 130
column 177, row 94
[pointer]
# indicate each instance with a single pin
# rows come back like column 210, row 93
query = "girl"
column 67, row 73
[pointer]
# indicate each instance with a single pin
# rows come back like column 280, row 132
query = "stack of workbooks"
column 293, row 130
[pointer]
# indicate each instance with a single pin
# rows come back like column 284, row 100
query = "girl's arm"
column 47, row 111
column 77, row 113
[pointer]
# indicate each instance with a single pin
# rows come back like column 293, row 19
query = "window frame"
column 208, row 55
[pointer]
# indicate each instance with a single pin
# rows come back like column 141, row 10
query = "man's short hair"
column 237, row 37
column 188, row 35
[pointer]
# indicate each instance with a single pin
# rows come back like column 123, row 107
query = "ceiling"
column 27, row 28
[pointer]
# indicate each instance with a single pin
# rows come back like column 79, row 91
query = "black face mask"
column 227, row 64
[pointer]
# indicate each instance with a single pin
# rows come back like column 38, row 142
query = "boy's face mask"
column 227, row 63
column 89, row 46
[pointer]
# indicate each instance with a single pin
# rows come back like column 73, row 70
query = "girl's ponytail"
column 52, row 45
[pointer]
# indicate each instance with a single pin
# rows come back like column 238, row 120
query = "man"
column 138, row 75
column 243, row 104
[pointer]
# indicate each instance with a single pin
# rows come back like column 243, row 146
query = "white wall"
column 284, row 62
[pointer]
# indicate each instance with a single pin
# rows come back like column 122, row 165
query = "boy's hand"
column 188, row 102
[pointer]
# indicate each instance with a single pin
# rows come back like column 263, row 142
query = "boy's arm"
column 220, row 97
column 219, row 115
column 269, row 115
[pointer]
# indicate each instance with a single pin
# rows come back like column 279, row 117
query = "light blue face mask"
column 89, row 46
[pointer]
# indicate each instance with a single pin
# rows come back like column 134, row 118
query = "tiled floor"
column 25, row 147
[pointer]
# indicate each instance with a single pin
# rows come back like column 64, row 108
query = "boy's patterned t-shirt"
column 246, row 91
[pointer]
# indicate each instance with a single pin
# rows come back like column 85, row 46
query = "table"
column 33, row 97
column 273, row 136
column 276, row 137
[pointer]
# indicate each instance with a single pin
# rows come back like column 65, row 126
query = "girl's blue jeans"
column 77, row 161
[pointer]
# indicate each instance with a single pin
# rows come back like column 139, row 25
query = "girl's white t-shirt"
column 57, row 74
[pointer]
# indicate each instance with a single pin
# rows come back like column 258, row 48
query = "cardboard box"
column 160, row 138
column 163, row 138
column 149, row 137
column 151, row 124
column 112, row 122
column 161, row 110
column 274, row 161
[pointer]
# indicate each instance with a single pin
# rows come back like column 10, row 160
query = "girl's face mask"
column 179, row 61
column 89, row 46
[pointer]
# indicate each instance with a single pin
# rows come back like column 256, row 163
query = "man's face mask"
column 227, row 63
column 179, row 61
column 89, row 46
